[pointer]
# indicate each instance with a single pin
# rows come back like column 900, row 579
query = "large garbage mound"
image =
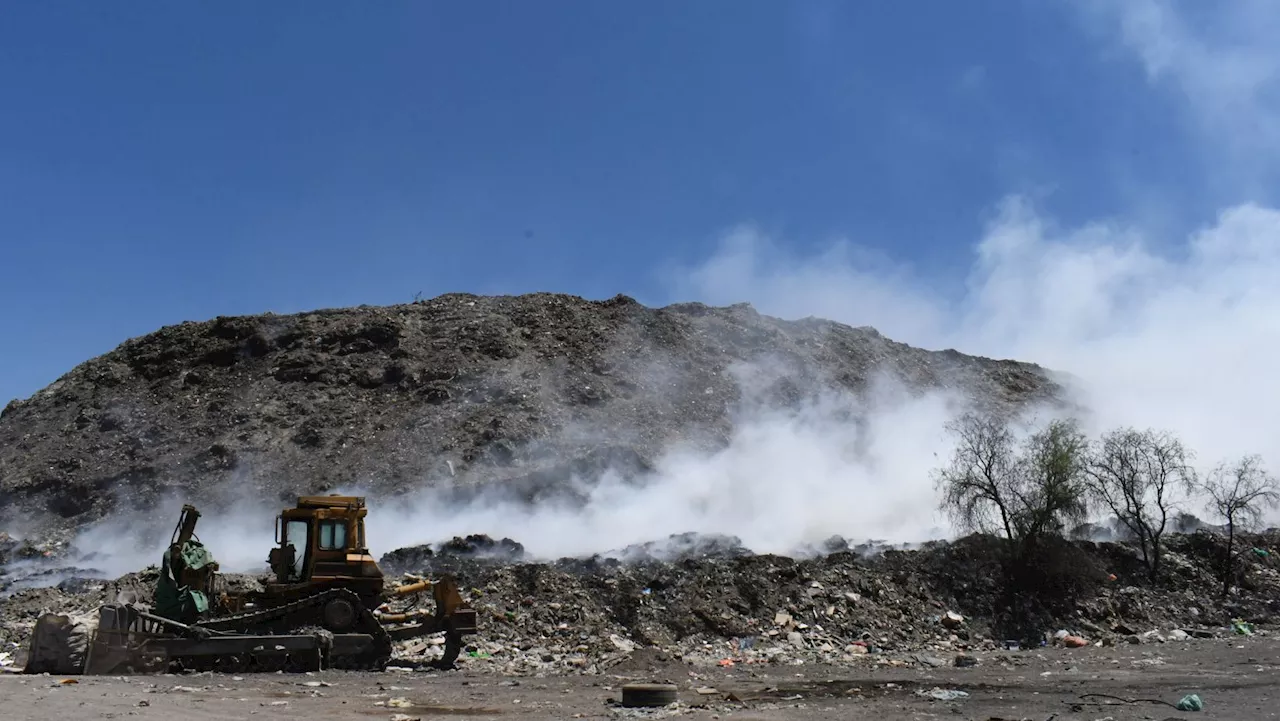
column 515, row 392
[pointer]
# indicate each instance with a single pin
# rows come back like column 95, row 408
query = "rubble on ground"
column 893, row 608
column 927, row 607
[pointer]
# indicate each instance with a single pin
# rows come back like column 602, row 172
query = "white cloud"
column 1223, row 66
column 843, row 276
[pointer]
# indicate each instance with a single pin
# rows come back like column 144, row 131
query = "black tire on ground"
column 648, row 694
column 339, row 615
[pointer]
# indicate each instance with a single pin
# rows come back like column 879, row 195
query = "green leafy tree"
column 1026, row 491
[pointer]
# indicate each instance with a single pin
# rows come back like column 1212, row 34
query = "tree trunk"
column 1147, row 556
column 1230, row 565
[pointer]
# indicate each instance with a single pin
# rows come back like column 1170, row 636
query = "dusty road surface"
column 1236, row 678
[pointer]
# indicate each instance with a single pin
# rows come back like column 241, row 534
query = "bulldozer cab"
column 321, row 541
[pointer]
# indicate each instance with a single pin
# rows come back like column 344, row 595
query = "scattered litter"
column 943, row 694
column 1190, row 702
column 1122, row 701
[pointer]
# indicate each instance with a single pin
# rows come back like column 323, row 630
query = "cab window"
column 333, row 535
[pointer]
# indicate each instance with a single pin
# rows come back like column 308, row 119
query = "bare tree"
column 1238, row 492
column 1136, row 474
column 978, row 485
column 1029, row 489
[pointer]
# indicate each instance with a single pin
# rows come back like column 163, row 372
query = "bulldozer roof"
column 334, row 501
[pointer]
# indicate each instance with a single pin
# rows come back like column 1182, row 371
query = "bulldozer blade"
column 446, row 596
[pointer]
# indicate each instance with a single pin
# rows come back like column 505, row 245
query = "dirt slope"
column 517, row 390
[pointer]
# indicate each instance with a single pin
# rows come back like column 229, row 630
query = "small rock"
column 931, row 661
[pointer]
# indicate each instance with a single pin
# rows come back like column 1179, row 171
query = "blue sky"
column 162, row 162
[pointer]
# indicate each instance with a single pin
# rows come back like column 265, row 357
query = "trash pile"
column 924, row 607
column 704, row 601
column 32, row 564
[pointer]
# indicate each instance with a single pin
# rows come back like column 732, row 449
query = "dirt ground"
column 1236, row 679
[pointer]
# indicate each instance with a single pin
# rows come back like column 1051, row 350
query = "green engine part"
column 179, row 602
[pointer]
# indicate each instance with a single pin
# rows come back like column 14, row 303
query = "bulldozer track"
column 308, row 612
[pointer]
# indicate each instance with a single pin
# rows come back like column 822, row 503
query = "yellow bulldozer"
column 325, row 604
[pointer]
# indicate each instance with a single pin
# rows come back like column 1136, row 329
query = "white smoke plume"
column 785, row 480
column 1178, row 334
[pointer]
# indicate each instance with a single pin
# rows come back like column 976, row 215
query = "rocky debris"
column 508, row 396
column 475, row 546
column 931, row 607
column 53, row 561
column 682, row 546
column 451, row 555
column 896, row 608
